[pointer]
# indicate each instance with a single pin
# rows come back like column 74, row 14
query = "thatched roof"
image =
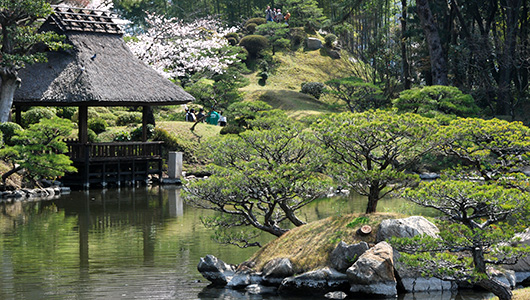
column 99, row 70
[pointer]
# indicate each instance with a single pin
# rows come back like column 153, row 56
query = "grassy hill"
column 282, row 89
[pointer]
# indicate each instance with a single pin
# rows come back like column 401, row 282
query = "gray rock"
column 258, row 289
column 318, row 282
column 276, row 270
column 244, row 278
column 215, row 270
column 407, row 228
column 336, row 295
column 313, row 43
column 344, row 255
column 373, row 272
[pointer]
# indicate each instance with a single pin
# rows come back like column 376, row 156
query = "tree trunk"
column 504, row 106
column 496, row 287
column 438, row 63
column 9, row 85
column 404, row 59
column 373, row 198
column 289, row 213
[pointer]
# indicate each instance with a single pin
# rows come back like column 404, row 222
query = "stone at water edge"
column 344, row 255
column 215, row 270
column 373, row 272
column 318, row 282
column 274, row 271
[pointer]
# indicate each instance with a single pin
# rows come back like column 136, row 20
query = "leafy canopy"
column 260, row 177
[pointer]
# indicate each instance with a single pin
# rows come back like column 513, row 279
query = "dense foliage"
column 260, row 178
column 371, row 151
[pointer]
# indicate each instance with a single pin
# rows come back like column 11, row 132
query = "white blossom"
column 177, row 49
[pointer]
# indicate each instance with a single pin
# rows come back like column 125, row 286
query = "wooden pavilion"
column 99, row 70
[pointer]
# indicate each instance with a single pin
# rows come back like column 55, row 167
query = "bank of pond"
column 141, row 243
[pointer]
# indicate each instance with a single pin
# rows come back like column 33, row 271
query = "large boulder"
column 344, row 255
column 406, row 228
column 313, row 43
column 412, row 281
column 373, row 272
column 274, row 271
column 318, row 282
column 244, row 278
column 522, row 267
column 215, row 270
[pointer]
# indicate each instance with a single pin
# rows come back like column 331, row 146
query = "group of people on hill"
column 276, row 15
column 213, row 118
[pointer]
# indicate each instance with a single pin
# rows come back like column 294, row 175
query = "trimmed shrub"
column 282, row 43
column 298, row 36
column 314, row 89
column 330, row 39
column 97, row 125
column 127, row 118
column 233, row 35
column 66, row 112
column 136, row 134
column 257, row 21
column 232, row 41
column 232, row 129
column 251, row 27
column 123, row 136
column 35, row 114
column 92, row 136
column 254, row 44
column 8, row 130
column 172, row 143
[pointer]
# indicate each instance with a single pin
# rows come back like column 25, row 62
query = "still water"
column 141, row 243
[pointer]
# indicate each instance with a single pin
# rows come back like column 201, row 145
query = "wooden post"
column 83, row 124
column 145, row 110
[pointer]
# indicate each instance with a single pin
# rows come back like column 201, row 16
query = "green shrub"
column 92, row 136
column 441, row 102
column 232, row 129
column 97, row 125
column 136, row 134
column 127, row 118
column 123, row 136
column 233, row 35
column 254, row 44
column 35, row 114
column 330, row 39
column 314, row 89
column 8, row 130
column 66, row 112
column 110, row 118
column 257, row 21
column 173, row 143
column 298, row 36
column 251, row 27
column 282, row 43
column 232, row 41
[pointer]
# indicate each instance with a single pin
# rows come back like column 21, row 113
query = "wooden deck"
column 117, row 162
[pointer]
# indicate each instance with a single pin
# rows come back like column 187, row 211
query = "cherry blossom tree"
column 178, row 50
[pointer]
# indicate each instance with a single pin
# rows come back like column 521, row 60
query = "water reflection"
column 141, row 243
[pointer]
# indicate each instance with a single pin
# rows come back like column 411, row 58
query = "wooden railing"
column 114, row 151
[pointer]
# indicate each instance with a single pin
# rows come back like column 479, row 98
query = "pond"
column 135, row 243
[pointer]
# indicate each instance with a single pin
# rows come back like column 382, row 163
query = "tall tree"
column 436, row 53
column 19, row 38
column 477, row 232
column 371, row 150
column 260, row 179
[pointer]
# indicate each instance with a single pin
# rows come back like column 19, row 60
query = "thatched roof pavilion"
column 99, row 70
